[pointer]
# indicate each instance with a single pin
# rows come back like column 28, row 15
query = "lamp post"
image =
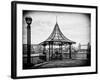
column 28, row 21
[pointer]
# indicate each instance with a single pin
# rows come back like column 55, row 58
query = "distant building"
column 83, row 51
column 83, row 48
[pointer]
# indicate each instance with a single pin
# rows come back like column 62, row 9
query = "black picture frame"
column 14, row 38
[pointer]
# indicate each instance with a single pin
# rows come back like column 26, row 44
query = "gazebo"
column 56, row 38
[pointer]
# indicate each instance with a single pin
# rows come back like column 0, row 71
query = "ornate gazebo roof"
column 57, row 37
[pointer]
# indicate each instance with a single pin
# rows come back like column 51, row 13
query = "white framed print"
column 50, row 39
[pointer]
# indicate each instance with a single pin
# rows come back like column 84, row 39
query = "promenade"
column 63, row 63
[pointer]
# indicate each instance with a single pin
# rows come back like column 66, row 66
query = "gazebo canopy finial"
column 56, row 18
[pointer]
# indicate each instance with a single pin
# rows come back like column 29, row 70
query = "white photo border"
column 20, row 6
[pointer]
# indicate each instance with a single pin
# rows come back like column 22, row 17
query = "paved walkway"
column 64, row 63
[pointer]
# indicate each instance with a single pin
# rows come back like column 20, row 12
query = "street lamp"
column 28, row 21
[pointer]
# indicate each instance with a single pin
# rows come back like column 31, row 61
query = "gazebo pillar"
column 52, row 50
column 70, row 52
column 59, row 48
column 49, row 52
column 44, row 51
column 61, row 52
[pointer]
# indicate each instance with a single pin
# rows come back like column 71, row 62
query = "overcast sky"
column 75, row 26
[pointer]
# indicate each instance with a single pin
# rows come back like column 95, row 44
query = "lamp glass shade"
column 28, row 20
